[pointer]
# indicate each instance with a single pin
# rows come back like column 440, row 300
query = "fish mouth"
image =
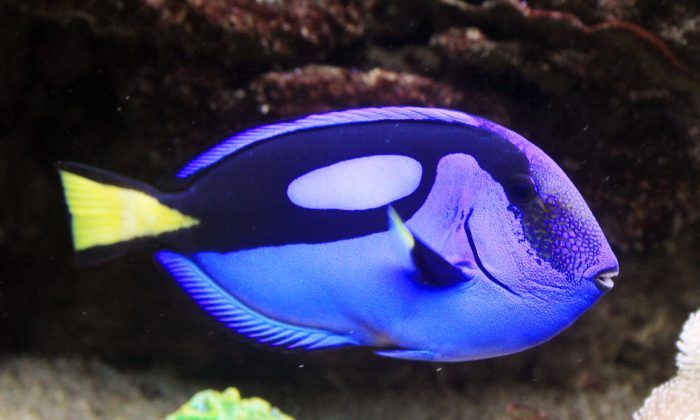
column 604, row 280
column 479, row 264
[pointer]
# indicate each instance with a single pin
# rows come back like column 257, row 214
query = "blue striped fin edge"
column 350, row 116
column 239, row 317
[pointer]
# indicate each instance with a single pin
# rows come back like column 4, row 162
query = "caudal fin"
column 107, row 211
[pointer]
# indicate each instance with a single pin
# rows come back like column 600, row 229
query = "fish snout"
column 604, row 270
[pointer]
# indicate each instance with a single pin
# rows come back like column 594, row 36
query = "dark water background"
column 609, row 89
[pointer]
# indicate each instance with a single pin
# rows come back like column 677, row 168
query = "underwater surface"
column 609, row 89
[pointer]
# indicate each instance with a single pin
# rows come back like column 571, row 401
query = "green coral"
column 226, row 405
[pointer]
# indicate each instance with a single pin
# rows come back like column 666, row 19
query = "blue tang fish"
column 426, row 234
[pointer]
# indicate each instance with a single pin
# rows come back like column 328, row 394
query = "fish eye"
column 520, row 189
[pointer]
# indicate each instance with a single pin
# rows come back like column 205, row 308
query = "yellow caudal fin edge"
column 104, row 214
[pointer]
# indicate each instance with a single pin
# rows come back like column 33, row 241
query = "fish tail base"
column 106, row 209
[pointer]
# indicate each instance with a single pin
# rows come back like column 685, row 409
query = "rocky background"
column 609, row 88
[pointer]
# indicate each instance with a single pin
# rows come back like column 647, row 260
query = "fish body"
column 427, row 234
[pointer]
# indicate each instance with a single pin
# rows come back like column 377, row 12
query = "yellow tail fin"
column 104, row 214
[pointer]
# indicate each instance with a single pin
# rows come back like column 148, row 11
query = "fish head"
column 532, row 232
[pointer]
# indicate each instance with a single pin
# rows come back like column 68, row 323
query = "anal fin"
column 237, row 316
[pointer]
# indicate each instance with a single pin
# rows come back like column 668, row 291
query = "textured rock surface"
column 610, row 89
column 33, row 388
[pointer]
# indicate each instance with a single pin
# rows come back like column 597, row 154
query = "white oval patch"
column 357, row 184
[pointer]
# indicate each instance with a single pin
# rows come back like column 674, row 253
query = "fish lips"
column 604, row 279
column 602, row 272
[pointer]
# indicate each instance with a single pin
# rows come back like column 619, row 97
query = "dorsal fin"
column 351, row 116
column 238, row 316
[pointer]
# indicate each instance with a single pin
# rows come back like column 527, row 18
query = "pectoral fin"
column 435, row 270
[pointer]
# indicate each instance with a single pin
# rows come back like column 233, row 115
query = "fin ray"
column 351, row 116
column 240, row 317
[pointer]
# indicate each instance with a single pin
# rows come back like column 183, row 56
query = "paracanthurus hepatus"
column 425, row 234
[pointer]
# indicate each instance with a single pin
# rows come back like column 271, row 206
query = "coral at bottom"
column 679, row 398
column 226, row 405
